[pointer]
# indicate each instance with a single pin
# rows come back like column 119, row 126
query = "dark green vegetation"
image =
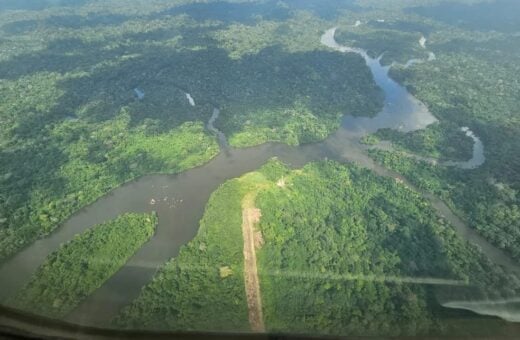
column 342, row 250
column 396, row 45
column 73, row 129
column 498, row 15
column 189, row 292
column 340, row 243
column 443, row 141
column 81, row 266
column 490, row 206
column 305, row 98
column 473, row 82
column 36, row 5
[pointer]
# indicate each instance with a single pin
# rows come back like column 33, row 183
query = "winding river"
column 179, row 200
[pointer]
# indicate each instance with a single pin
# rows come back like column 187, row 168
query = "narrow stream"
column 179, row 200
column 478, row 157
column 222, row 141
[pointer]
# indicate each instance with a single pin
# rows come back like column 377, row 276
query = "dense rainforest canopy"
column 344, row 252
column 81, row 266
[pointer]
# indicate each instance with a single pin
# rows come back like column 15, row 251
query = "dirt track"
column 250, row 216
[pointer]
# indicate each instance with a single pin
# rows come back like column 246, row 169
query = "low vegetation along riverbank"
column 95, row 159
column 81, row 266
column 203, row 287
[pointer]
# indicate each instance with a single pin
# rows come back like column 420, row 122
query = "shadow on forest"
column 424, row 260
column 269, row 80
column 222, row 11
column 244, row 12
column 225, row 12
column 208, row 73
column 64, row 21
column 328, row 9
column 498, row 50
column 404, row 26
column 501, row 141
column 65, row 55
column 32, row 5
column 248, row 13
column 61, row 56
column 500, row 15
column 25, row 166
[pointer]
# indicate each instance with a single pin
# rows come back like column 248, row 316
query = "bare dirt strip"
column 250, row 216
